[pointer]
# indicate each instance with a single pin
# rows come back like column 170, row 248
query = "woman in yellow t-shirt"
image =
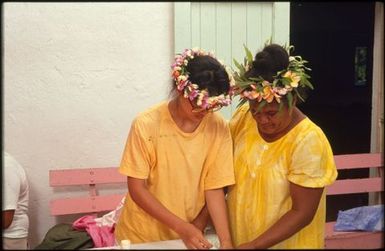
column 282, row 160
column 178, row 158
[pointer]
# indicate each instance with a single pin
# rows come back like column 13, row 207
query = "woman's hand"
column 192, row 237
column 216, row 205
column 202, row 219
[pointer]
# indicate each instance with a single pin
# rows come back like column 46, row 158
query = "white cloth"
column 112, row 217
column 15, row 195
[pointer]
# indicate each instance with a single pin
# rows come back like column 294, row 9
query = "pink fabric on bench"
column 102, row 236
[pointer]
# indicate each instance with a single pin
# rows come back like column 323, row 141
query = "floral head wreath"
column 285, row 82
column 191, row 90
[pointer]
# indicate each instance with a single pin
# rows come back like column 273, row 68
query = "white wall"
column 75, row 75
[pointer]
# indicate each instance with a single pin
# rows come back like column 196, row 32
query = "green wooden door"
column 224, row 27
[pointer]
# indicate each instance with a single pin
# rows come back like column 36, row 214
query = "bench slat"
column 355, row 240
column 85, row 204
column 68, row 177
column 329, row 230
column 351, row 186
column 359, row 160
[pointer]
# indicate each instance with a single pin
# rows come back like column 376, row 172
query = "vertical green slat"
column 182, row 26
column 195, row 24
column 223, row 44
column 223, row 26
column 208, row 26
column 267, row 24
column 281, row 22
column 238, row 30
column 238, row 38
column 254, row 21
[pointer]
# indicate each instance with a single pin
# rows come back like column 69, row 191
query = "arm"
column 191, row 236
column 7, row 218
column 202, row 219
column 298, row 217
column 218, row 211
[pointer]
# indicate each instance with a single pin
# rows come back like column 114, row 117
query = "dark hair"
column 207, row 73
column 268, row 62
column 272, row 59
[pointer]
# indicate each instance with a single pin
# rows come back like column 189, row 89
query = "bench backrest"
column 356, row 239
column 90, row 177
column 93, row 203
column 358, row 185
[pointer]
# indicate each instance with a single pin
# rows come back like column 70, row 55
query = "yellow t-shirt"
column 263, row 171
column 178, row 168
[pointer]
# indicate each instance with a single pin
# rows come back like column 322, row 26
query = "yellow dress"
column 263, row 171
column 178, row 167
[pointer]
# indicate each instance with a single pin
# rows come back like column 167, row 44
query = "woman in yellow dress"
column 282, row 160
column 178, row 157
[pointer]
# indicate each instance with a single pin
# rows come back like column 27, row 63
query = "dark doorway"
column 337, row 40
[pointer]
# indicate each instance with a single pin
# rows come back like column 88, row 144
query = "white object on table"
column 125, row 244
column 170, row 244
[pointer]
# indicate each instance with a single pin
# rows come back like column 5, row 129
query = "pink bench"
column 355, row 240
column 93, row 179
column 94, row 203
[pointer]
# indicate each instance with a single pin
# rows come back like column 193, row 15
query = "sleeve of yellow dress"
column 312, row 162
column 137, row 153
column 237, row 119
column 221, row 172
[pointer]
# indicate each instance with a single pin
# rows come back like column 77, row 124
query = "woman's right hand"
column 193, row 237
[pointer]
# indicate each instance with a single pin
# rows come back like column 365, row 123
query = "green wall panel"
column 224, row 27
